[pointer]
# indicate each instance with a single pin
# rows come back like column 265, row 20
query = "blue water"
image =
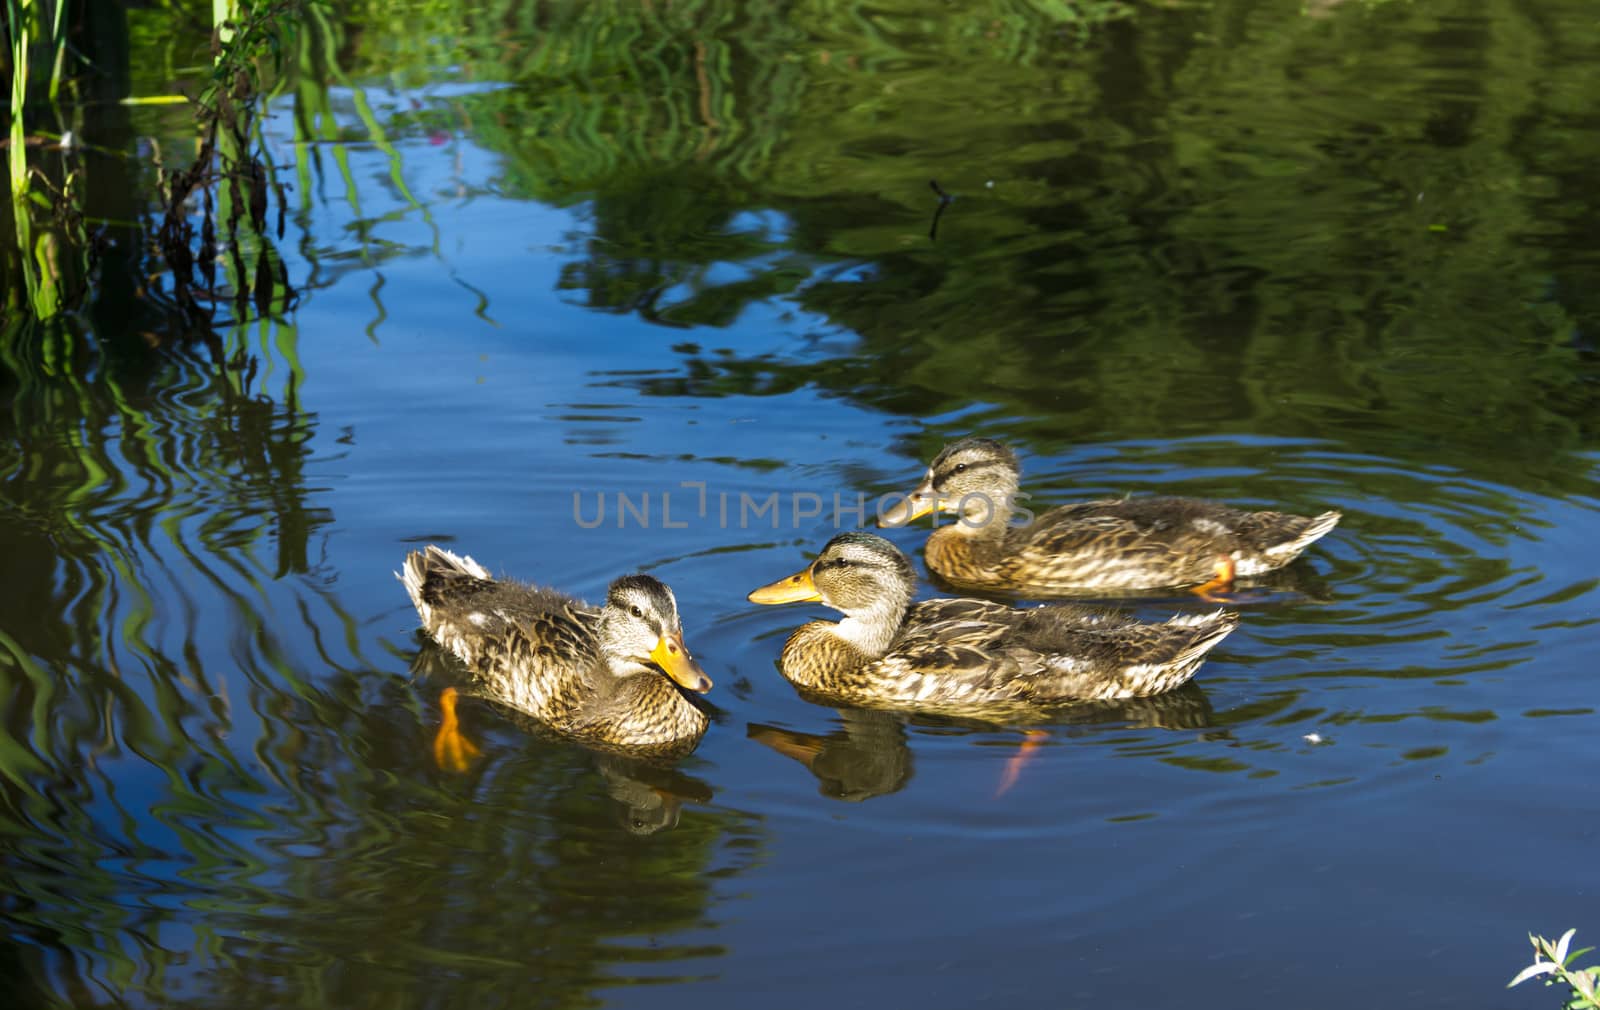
column 217, row 777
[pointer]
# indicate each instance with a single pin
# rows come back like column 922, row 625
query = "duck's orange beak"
column 673, row 656
column 908, row 509
column 912, row 506
column 797, row 588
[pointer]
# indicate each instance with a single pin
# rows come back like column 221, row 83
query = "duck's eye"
column 961, row 467
column 636, row 611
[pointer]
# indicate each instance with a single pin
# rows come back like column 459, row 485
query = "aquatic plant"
column 247, row 46
column 1553, row 959
column 52, row 250
column 37, row 25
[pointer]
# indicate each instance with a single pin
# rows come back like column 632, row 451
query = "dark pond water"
column 1341, row 256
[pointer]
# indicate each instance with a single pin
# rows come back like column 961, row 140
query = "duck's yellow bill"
column 797, row 588
column 908, row 509
column 673, row 656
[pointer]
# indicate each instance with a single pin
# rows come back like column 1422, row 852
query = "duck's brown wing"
column 1181, row 536
column 932, row 616
column 1113, row 656
column 952, row 649
column 955, row 627
column 1173, row 540
column 545, row 630
column 994, row 629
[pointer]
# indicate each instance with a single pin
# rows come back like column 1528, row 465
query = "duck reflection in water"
column 870, row 754
column 650, row 796
column 866, row 757
column 648, row 791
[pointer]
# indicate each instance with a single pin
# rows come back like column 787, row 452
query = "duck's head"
column 975, row 478
column 640, row 633
column 856, row 574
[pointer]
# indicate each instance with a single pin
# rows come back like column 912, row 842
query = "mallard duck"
column 959, row 654
column 1119, row 544
column 600, row 675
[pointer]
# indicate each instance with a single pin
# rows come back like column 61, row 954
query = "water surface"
column 1333, row 258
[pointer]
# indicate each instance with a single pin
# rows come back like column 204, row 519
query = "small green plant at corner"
column 1552, row 958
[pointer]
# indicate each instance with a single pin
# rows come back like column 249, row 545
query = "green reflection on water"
column 242, row 801
column 1369, row 228
column 1188, row 226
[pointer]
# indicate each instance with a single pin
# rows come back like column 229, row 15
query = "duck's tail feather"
column 1210, row 629
column 430, row 574
column 1164, row 672
column 1299, row 536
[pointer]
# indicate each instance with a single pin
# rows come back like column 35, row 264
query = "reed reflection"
column 199, row 731
column 157, row 507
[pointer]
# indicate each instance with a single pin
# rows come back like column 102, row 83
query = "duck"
column 1109, row 545
column 613, row 677
column 970, row 655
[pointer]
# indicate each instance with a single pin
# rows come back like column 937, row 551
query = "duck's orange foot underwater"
column 1221, row 582
column 1033, row 739
column 452, row 751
